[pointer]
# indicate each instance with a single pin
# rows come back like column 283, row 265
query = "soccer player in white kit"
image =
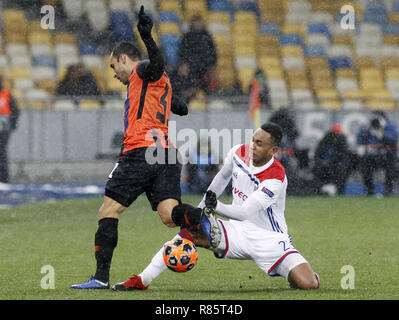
column 256, row 229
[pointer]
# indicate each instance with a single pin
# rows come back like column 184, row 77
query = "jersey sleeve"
column 268, row 191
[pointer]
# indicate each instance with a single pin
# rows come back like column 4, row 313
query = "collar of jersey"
column 256, row 170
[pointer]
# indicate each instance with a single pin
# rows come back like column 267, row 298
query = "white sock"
column 155, row 268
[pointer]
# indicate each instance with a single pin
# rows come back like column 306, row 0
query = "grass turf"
column 330, row 232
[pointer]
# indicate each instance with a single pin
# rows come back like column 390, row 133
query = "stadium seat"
column 169, row 28
column 244, row 77
column 223, row 6
column 37, row 50
column 225, row 71
column 291, row 39
column 169, row 16
column 97, row 14
column 73, row 8
column 315, row 51
column 269, row 28
column 249, row 6
column 193, row 8
column 170, row 44
column 89, row 105
column 64, row 105
column 122, row 26
column 171, row 6
column 352, row 105
column 114, row 104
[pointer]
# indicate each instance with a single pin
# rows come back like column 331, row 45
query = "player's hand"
column 145, row 24
column 210, row 199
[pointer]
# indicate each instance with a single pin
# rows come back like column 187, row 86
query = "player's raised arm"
column 154, row 69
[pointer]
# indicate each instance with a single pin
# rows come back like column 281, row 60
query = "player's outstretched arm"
column 154, row 69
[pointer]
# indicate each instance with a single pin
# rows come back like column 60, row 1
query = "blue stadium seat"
column 315, row 51
column 319, row 28
column 291, row 39
column 395, row 6
column 340, row 62
column 375, row 12
column 249, row 6
column 87, row 48
column 170, row 44
column 391, row 29
column 269, row 28
column 44, row 61
column 221, row 5
column 169, row 16
column 122, row 26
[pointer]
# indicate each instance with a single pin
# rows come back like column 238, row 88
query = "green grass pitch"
column 331, row 233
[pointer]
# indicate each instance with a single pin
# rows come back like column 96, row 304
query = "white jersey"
column 266, row 184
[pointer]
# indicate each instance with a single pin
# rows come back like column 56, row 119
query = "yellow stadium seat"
column 274, row 73
column 169, row 27
column 64, row 37
column 38, row 105
column 15, row 37
column 354, row 94
column 34, row 26
column 226, row 75
column 245, row 18
column 219, row 17
column 393, row 17
column 387, row 63
column 40, row 37
column 89, row 105
column 331, row 105
column 390, row 39
column 371, row 84
column 294, row 28
column 327, row 94
column 171, row 5
column 243, row 50
column 365, row 62
column 193, row 8
column 343, row 39
column 49, row 85
column 392, row 73
column 316, row 62
column 291, row 50
column 245, row 76
column 19, row 72
column 381, row 94
column 269, row 61
column 345, row 73
column 11, row 16
column 380, row 105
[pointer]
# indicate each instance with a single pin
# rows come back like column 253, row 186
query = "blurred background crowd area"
column 308, row 61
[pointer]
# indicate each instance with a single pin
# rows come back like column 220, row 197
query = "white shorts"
column 271, row 251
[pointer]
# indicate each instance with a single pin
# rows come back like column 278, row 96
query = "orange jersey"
column 147, row 112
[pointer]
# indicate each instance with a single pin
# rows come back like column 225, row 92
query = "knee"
column 304, row 282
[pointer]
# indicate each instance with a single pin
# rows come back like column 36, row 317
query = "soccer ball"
column 180, row 255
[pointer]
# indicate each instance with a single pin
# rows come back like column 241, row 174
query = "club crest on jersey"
column 268, row 192
column 235, row 175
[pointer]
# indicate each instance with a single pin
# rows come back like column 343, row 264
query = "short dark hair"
column 127, row 48
column 275, row 131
